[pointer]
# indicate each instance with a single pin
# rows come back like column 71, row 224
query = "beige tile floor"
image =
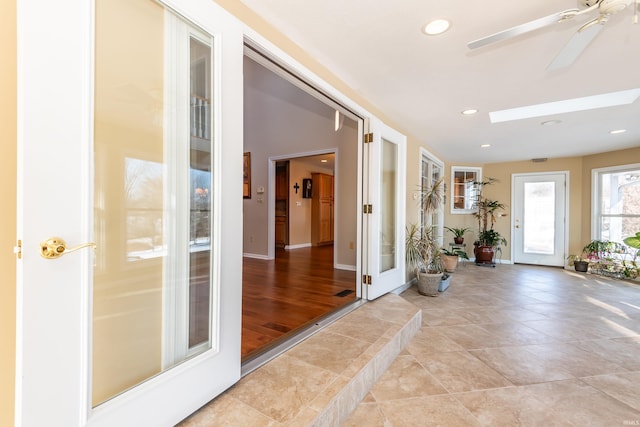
column 320, row 381
column 516, row 346
column 504, row 346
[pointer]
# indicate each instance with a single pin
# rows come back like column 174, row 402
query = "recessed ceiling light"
column 470, row 112
column 485, row 146
column 324, row 161
column 613, row 132
column 435, row 27
column 551, row 122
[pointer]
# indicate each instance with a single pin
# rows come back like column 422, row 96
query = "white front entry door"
column 539, row 215
column 128, row 139
column 385, row 158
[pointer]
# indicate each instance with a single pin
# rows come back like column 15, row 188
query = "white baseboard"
column 256, row 256
column 345, row 267
column 299, row 246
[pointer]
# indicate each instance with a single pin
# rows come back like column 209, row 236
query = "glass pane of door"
column 388, row 218
column 153, row 194
column 539, row 217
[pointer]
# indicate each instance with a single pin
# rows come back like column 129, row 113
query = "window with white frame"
column 616, row 202
column 464, row 191
column 431, row 170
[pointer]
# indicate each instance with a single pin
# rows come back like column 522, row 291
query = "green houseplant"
column 633, row 241
column 612, row 259
column 450, row 258
column 489, row 240
column 458, row 234
column 422, row 251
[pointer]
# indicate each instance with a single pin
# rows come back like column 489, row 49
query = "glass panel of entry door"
column 153, row 194
column 388, row 206
column 539, row 217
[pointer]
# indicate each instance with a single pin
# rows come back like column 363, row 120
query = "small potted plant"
column 458, row 234
column 579, row 263
column 450, row 258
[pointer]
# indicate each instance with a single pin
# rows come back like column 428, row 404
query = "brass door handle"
column 55, row 247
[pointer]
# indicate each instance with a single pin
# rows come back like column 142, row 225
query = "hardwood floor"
column 290, row 292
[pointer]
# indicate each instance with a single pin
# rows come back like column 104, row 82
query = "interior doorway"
column 301, row 214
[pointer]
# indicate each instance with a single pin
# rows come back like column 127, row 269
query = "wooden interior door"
column 282, row 204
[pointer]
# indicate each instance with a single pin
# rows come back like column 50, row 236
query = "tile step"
column 322, row 380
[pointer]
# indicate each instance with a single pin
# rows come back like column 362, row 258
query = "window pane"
column 200, row 190
column 619, row 204
column 388, row 206
column 152, row 186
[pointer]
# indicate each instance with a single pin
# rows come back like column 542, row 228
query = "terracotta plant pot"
column 450, row 262
column 484, row 254
column 458, row 240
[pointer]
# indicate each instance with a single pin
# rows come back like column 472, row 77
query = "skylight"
column 567, row 106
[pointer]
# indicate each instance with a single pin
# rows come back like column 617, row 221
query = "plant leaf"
column 633, row 241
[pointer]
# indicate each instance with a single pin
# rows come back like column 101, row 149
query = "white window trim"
column 595, row 194
column 454, row 169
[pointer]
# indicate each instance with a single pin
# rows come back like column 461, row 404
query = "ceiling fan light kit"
column 581, row 39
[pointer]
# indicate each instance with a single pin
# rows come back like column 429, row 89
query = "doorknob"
column 55, row 247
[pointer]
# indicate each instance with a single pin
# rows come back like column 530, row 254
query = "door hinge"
column 367, row 209
column 366, row 279
column 17, row 249
column 368, row 138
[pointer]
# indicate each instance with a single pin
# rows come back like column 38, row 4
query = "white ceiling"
column 422, row 83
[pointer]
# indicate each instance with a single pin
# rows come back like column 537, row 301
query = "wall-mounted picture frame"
column 246, row 176
column 306, row 188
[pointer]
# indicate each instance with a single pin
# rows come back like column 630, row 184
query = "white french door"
column 539, row 216
column 385, row 158
column 127, row 140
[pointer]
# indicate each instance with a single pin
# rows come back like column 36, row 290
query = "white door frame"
column 55, row 115
column 566, row 208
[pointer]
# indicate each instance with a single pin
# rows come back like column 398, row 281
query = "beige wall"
column 8, row 82
column 501, row 191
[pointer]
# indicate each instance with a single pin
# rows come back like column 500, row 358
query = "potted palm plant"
column 423, row 253
column 458, row 234
column 489, row 240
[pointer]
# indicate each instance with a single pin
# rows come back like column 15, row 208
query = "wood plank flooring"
column 290, row 292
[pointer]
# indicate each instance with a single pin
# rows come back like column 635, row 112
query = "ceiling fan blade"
column 524, row 28
column 575, row 47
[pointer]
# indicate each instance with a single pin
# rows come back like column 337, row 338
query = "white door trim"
column 55, row 117
column 566, row 208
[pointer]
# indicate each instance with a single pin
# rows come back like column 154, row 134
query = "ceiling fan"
column 580, row 40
